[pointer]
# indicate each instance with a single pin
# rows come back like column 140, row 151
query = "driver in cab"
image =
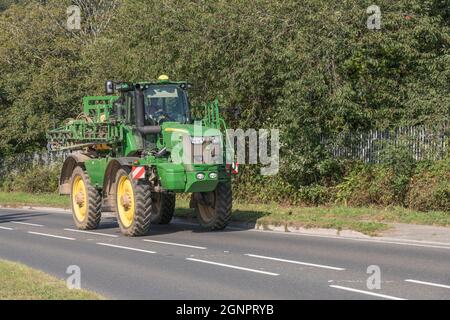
column 153, row 107
column 164, row 103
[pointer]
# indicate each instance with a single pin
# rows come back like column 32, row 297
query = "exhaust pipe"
column 149, row 129
column 139, row 107
column 140, row 114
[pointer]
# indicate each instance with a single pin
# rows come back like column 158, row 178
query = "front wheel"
column 133, row 201
column 163, row 207
column 214, row 208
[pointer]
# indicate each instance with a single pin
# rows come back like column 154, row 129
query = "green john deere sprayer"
column 133, row 149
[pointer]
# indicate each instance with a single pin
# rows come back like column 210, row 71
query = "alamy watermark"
column 74, row 279
column 241, row 147
column 374, row 20
column 73, row 21
column 374, row 280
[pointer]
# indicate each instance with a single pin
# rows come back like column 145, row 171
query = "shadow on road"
column 20, row 216
column 185, row 220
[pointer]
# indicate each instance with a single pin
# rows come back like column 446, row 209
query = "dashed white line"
column 233, row 267
column 27, row 224
column 6, row 228
column 384, row 240
column 92, row 232
column 428, row 283
column 176, row 244
column 50, row 235
column 295, row 262
column 122, row 247
column 367, row 293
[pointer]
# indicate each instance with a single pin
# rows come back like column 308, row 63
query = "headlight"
column 213, row 175
column 200, row 176
column 197, row 140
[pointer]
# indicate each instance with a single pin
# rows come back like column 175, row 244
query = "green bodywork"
column 109, row 135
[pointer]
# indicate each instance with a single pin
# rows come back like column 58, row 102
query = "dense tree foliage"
column 308, row 67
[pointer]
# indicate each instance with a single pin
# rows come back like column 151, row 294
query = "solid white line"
column 50, row 235
column 92, row 232
column 415, row 243
column 400, row 243
column 6, row 228
column 27, row 224
column 295, row 262
column 428, row 283
column 233, row 267
column 126, row 248
column 367, row 292
column 384, row 240
column 176, row 244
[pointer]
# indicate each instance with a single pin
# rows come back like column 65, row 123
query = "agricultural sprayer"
column 133, row 149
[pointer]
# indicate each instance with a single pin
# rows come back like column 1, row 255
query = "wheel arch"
column 69, row 165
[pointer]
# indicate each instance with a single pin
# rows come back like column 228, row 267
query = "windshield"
column 165, row 103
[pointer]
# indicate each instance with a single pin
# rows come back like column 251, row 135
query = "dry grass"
column 19, row 282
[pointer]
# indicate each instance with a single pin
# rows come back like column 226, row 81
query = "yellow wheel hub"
column 79, row 198
column 125, row 201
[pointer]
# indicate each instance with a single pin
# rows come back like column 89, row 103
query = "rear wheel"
column 133, row 201
column 163, row 207
column 214, row 208
column 86, row 201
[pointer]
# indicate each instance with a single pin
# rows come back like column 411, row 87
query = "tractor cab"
column 166, row 102
column 149, row 104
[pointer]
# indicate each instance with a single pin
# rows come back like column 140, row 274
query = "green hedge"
column 430, row 187
column 36, row 179
column 426, row 187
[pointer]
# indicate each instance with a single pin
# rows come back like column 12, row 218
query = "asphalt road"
column 180, row 261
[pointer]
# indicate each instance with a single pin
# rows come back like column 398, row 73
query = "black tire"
column 163, row 207
column 217, row 204
column 92, row 200
column 140, row 223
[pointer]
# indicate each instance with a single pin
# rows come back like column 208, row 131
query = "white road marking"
column 6, row 228
column 295, row 262
column 367, row 292
column 403, row 242
column 383, row 240
column 50, row 235
column 388, row 240
column 233, row 267
column 176, row 244
column 429, row 283
column 122, row 247
column 92, row 232
column 27, row 224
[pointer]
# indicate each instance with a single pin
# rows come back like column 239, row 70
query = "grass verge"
column 17, row 199
column 19, row 282
column 370, row 221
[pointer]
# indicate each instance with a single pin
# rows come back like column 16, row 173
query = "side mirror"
column 109, row 87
